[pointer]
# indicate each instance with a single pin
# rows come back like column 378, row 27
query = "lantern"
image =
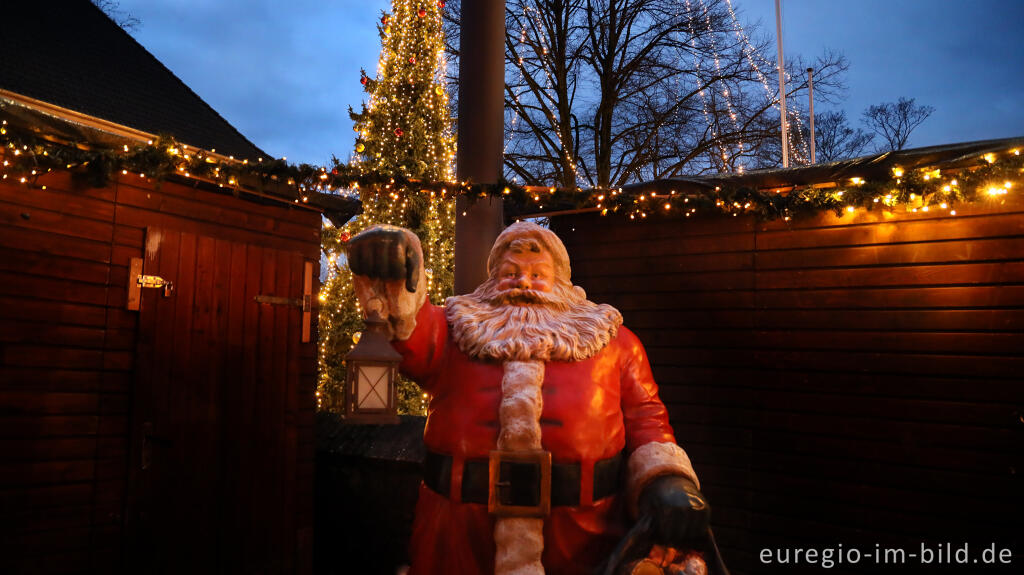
column 372, row 367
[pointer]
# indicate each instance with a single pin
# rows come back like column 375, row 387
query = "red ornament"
column 334, row 172
column 363, row 80
column 384, row 20
column 345, row 237
column 421, row 13
column 412, row 59
column 399, row 132
column 440, row 4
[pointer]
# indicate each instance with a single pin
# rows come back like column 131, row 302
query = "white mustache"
column 518, row 295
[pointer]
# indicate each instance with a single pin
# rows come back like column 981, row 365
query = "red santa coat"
column 592, row 409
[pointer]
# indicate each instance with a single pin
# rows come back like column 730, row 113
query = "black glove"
column 385, row 253
column 678, row 510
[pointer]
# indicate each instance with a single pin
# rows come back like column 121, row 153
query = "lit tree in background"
column 404, row 128
column 604, row 93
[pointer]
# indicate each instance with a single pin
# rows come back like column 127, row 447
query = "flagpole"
column 782, row 86
column 810, row 98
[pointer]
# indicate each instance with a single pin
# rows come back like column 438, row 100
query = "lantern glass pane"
column 372, row 387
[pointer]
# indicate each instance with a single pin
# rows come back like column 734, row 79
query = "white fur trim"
column 519, row 541
column 397, row 305
column 529, row 230
column 653, row 460
column 521, row 405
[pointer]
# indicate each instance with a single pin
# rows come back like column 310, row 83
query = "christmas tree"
column 404, row 128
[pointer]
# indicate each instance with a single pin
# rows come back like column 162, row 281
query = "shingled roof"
column 70, row 54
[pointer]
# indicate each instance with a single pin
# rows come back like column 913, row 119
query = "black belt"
column 523, row 488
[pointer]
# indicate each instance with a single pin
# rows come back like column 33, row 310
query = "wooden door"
column 215, row 445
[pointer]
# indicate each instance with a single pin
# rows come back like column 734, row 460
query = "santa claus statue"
column 545, row 435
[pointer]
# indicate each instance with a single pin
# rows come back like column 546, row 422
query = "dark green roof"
column 70, row 54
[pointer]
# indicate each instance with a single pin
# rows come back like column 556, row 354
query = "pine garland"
column 994, row 176
column 26, row 158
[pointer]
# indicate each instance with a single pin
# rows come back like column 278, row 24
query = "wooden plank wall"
column 853, row 380
column 67, row 348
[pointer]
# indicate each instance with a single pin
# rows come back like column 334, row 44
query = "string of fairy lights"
column 533, row 15
column 919, row 190
column 513, row 111
column 757, row 60
column 992, row 175
column 698, row 72
column 723, row 88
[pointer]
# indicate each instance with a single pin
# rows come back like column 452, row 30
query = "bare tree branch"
column 601, row 93
column 894, row 121
column 834, row 139
column 606, row 92
column 122, row 18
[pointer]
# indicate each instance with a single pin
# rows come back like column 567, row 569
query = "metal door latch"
column 137, row 280
column 155, row 282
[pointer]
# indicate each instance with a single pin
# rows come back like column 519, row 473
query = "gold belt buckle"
column 540, row 458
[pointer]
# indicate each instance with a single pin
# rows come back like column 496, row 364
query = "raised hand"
column 386, row 253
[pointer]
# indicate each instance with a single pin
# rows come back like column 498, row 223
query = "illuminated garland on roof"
column 994, row 176
column 910, row 190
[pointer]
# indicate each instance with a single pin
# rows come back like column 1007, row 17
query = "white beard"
column 562, row 325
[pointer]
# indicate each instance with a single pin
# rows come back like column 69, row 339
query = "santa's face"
column 525, row 311
column 525, row 272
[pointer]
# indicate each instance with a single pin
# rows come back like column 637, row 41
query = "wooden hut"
column 838, row 380
column 157, row 339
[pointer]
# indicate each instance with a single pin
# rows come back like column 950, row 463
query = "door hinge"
column 276, row 300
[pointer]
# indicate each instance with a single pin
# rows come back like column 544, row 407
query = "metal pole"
column 810, row 98
column 480, row 145
column 782, row 86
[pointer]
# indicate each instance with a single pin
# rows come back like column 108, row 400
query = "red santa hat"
column 544, row 237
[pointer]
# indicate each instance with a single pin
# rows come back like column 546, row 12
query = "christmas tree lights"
column 404, row 129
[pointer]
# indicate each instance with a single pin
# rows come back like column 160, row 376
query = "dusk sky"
column 284, row 73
